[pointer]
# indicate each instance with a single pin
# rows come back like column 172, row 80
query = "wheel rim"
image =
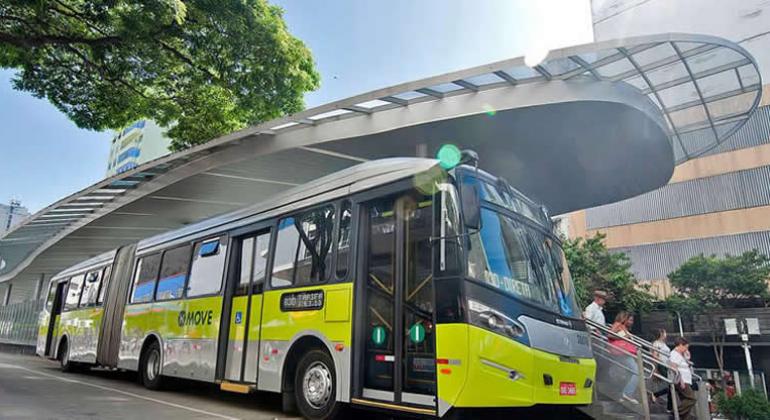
column 153, row 365
column 317, row 385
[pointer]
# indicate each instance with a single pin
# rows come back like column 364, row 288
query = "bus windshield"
column 521, row 260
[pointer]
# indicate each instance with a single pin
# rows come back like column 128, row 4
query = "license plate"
column 567, row 388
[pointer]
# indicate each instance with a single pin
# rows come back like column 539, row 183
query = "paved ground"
column 35, row 388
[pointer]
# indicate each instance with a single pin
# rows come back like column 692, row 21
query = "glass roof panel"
column 689, row 116
column 373, row 104
column 445, row 87
column 678, row 94
column 409, row 95
column 733, row 105
column 593, row 57
column 484, row 79
column 749, row 75
column 334, row 113
column 523, row 72
column 667, row 73
column 654, row 54
column 714, row 58
column 615, row 68
column 560, row 66
column 724, row 129
column 719, row 83
column 637, row 82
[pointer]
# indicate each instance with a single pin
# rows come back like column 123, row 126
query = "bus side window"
column 91, row 289
column 73, row 292
column 253, row 263
column 207, row 268
column 173, row 273
column 144, row 278
column 343, row 240
column 303, row 250
column 105, row 284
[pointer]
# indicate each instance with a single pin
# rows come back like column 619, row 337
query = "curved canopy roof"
column 590, row 125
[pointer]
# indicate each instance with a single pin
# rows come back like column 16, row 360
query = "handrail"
column 647, row 346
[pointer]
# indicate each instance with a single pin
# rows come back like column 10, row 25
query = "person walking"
column 661, row 352
column 595, row 310
column 684, row 389
column 626, row 353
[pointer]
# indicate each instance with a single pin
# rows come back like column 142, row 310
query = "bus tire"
column 150, row 367
column 67, row 365
column 315, row 386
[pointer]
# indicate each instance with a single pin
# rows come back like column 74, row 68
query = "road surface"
column 35, row 388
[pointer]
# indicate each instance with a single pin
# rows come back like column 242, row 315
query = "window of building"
column 73, row 292
column 343, row 240
column 144, row 278
column 303, row 249
column 207, row 267
column 105, row 284
column 91, row 288
column 173, row 273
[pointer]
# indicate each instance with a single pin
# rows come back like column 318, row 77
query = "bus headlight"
column 490, row 319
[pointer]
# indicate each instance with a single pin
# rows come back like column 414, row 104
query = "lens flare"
column 489, row 110
column 448, row 156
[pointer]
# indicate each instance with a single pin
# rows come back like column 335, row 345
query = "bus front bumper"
column 477, row 368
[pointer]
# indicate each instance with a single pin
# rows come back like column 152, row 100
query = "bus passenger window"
column 343, row 240
column 173, row 273
column 145, row 277
column 207, row 268
column 91, row 289
column 247, row 252
column 303, row 250
column 105, row 284
column 51, row 296
column 73, row 292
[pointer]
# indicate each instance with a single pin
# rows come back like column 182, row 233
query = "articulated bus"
column 402, row 284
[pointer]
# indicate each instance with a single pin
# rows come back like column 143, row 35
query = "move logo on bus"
column 195, row 318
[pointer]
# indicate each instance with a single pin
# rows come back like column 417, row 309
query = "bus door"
column 398, row 358
column 58, row 304
column 246, row 279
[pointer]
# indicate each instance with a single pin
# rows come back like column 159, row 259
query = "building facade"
column 136, row 144
column 716, row 203
column 11, row 214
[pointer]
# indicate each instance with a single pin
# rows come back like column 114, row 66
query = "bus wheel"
column 149, row 368
column 315, row 386
column 67, row 365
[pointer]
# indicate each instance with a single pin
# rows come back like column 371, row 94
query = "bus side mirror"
column 471, row 202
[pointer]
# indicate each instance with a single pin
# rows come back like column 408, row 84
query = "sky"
column 358, row 46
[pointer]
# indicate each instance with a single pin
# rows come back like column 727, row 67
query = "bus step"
column 236, row 387
column 391, row 406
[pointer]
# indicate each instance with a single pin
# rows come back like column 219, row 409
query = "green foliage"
column 703, row 283
column 594, row 267
column 202, row 67
column 750, row 405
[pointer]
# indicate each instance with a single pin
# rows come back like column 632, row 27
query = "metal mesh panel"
column 18, row 322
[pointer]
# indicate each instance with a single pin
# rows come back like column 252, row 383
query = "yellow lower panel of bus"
column 82, row 327
column 332, row 319
column 474, row 370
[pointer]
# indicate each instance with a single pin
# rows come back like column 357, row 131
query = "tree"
column 201, row 67
column 593, row 267
column 703, row 284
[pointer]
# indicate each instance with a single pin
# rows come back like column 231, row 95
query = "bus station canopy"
column 590, row 125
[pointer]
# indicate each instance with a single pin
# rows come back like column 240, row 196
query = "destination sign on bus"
column 302, row 301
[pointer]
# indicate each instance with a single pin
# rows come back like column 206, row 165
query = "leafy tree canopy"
column 708, row 282
column 593, row 267
column 201, row 67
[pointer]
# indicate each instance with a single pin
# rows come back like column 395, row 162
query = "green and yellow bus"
column 402, row 284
